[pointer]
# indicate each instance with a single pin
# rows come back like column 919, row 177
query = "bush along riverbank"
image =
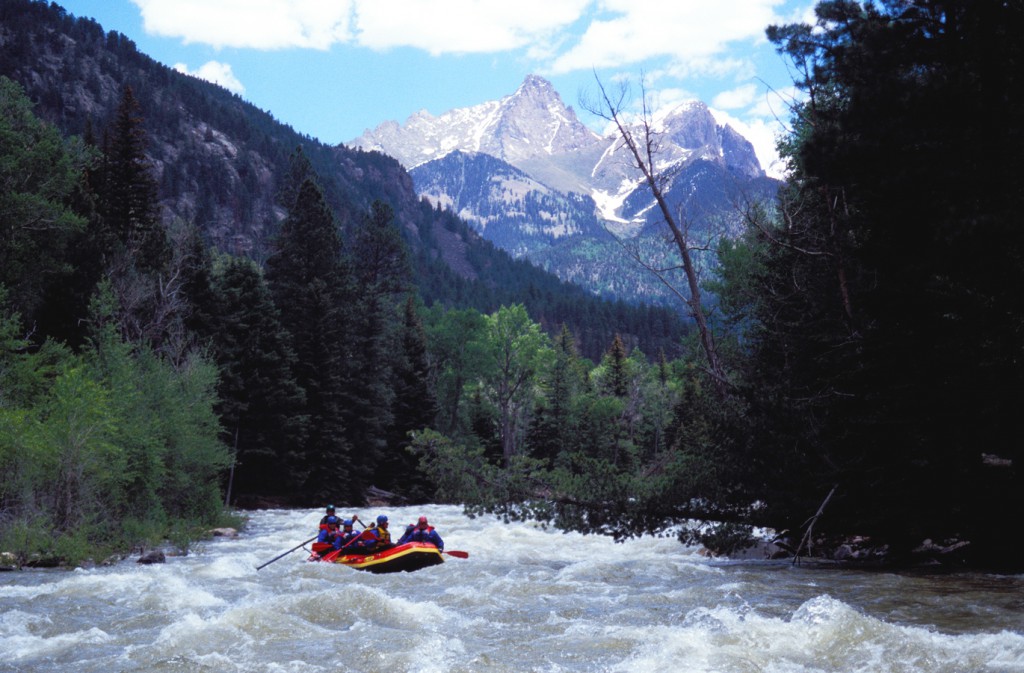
column 23, row 547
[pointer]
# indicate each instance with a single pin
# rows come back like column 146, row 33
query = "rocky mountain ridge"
column 529, row 123
column 534, row 180
column 536, row 132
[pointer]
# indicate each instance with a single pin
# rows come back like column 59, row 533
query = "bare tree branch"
column 644, row 149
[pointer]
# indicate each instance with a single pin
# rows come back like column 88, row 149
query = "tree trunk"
column 644, row 159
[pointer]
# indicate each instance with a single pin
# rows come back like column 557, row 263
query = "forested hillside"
column 221, row 164
column 858, row 383
column 201, row 306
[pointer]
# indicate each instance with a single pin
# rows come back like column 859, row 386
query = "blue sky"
column 332, row 68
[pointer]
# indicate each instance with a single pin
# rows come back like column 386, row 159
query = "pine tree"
column 381, row 273
column 414, row 409
column 262, row 408
column 309, row 285
column 616, row 363
column 128, row 192
column 885, row 332
column 197, row 284
column 553, row 431
column 38, row 177
column 299, row 170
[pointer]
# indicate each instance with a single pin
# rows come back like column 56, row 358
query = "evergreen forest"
column 170, row 350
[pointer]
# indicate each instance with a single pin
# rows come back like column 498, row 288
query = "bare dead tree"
column 808, row 538
column 152, row 307
column 640, row 139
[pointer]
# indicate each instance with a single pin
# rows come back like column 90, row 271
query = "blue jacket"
column 427, row 534
column 365, row 542
column 344, row 537
column 330, row 537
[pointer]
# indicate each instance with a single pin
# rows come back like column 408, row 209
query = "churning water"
column 527, row 599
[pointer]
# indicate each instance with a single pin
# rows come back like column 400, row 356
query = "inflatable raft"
column 403, row 558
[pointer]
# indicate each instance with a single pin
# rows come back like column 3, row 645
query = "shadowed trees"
column 311, row 287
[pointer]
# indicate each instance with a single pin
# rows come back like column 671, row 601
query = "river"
column 526, row 599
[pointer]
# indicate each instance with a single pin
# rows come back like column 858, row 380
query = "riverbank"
column 858, row 552
column 51, row 549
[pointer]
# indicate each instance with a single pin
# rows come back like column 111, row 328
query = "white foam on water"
column 526, row 599
column 23, row 635
column 824, row 635
column 224, row 568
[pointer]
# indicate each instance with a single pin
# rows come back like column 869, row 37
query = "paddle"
column 457, row 554
column 280, row 556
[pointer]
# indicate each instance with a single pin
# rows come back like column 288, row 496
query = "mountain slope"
column 220, row 162
column 511, row 209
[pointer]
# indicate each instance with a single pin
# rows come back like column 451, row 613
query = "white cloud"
column 570, row 35
column 464, row 26
column 693, row 34
column 216, row 72
column 258, row 24
column 435, row 26
column 737, row 98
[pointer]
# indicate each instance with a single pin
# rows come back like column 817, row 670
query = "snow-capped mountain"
column 531, row 122
column 528, row 174
column 511, row 209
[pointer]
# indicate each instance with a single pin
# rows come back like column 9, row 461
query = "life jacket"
column 360, row 541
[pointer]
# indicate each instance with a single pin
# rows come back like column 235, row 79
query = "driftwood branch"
column 806, row 540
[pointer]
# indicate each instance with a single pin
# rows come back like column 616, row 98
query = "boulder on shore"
column 155, row 556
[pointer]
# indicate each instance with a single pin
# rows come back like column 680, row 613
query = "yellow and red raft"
column 402, row 558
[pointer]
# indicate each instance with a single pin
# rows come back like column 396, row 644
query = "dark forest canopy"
column 343, row 334
column 884, row 343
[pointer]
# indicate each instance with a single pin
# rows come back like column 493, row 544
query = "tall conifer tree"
column 261, row 406
column 381, row 273
column 38, row 176
column 885, row 332
column 309, row 283
column 553, row 431
column 414, row 408
column 128, row 191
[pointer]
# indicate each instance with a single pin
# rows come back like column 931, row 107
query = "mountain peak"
column 532, row 122
column 535, row 85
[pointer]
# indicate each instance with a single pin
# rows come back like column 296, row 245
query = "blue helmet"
column 332, row 520
column 381, row 519
column 347, row 522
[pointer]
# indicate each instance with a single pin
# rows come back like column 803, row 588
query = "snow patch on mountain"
column 531, row 122
column 526, row 173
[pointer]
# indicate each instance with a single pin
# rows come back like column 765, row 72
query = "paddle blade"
column 458, row 554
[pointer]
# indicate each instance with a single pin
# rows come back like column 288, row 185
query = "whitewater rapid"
column 526, row 599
